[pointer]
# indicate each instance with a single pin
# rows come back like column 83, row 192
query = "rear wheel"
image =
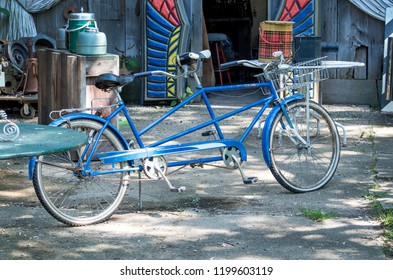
column 303, row 167
column 69, row 191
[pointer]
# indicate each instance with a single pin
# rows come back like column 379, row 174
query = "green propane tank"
column 77, row 23
column 91, row 42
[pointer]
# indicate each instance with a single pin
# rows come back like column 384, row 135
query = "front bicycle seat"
column 108, row 81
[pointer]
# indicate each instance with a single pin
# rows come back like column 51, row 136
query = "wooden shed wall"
column 359, row 37
column 118, row 19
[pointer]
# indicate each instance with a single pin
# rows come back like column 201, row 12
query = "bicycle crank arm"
column 246, row 180
column 171, row 188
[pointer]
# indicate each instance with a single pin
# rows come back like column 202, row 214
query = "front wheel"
column 67, row 187
column 304, row 165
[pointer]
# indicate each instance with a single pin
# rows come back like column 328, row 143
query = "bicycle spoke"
column 68, row 188
column 299, row 167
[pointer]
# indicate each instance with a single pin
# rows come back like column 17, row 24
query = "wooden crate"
column 66, row 80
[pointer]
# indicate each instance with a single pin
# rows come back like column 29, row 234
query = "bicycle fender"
column 60, row 121
column 71, row 117
column 268, row 126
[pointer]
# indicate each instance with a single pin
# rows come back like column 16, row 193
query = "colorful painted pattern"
column 163, row 31
column 302, row 13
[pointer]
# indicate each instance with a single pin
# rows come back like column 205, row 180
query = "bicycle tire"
column 295, row 167
column 75, row 199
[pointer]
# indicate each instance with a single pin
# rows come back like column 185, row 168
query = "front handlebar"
column 278, row 62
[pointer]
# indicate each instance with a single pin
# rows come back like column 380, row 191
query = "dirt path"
column 218, row 217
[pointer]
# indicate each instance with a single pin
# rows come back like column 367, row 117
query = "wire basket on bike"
column 300, row 76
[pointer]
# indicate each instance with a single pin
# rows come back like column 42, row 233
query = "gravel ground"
column 218, row 217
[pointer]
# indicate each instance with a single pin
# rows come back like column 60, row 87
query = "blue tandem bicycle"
column 299, row 142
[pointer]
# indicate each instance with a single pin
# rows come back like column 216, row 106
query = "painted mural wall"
column 304, row 14
column 166, row 29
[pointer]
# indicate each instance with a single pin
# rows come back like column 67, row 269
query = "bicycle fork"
column 291, row 128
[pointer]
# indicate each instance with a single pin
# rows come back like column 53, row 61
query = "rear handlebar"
column 185, row 61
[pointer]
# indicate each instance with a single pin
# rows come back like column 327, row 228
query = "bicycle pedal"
column 208, row 133
column 178, row 189
column 250, row 180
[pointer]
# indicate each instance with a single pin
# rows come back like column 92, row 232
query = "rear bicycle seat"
column 109, row 81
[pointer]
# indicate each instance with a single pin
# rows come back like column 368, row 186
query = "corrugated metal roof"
column 375, row 8
column 20, row 23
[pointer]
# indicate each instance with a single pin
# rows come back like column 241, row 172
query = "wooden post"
column 42, row 77
column 67, row 80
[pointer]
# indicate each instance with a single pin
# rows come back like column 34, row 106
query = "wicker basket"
column 274, row 36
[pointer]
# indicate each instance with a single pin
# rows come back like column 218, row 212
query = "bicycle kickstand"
column 246, row 180
column 171, row 188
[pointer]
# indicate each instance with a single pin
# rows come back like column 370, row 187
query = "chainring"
column 150, row 164
column 227, row 157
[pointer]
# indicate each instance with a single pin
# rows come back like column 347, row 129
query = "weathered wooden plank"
column 42, row 86
column 111, row 19
column 115, row 34
column 64, row 99
column 344, row 36
column 376, row 48
column 71, row 92
column 133, row 29
column 259, row 10
column 194, row 12
column 47, row 84
column 50, row 20
column 352, row 26
column 328, row 21
column 80, row 82
column 95, row 65
column 362, row 55
column 111, row 10
column 360, row 42
column 52, row 58
column 70, row 87
column 58, row 87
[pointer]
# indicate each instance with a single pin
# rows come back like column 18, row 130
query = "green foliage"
column 123, row 122
column 186, row 94
column 316, row 214
column 5, row 11
column 132, row 64
column 368, row 135
column 375, row 107
column 385, row 216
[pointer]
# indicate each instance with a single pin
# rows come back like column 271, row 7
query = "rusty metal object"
column 69, row 10
column 31, row 81
column 16, row 52
column 11, row 85
column 37, row 42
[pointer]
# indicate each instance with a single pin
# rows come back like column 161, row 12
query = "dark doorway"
column 232, row 18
